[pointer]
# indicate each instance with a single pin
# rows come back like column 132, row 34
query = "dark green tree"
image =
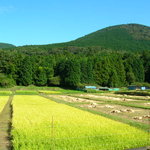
column 25, row 72
column 72, row 73
column 113, row 80
column 102, row 71
column 146, row 63
column 41, row 78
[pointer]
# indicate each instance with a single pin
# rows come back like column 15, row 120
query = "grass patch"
column 60, row 91
column 46, row 90
column 68, row 91
column 132, row 105
column 97, row 91
column 5, row 93
column 26, row 92
column 49, row 92
column 136, row 93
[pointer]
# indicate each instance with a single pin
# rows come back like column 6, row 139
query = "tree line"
column 73, row 67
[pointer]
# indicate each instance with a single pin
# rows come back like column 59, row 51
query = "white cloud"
column 6, row 9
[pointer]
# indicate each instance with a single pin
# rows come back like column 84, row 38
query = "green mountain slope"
column 127, row 37
column 120, row 37
column 6, row 45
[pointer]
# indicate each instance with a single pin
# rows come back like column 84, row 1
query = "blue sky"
column 29, row 22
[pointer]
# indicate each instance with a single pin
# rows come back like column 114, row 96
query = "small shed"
column 143, row 88
column 108, row 89
column 90, row 87
column 114, row 89
column 137, row 88
column 104, row 88
column 132, row 87
column 147, row 88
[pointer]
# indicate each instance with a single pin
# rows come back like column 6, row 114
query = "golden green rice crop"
column 41, row 124
column 50, row 92
column 26, row 92
column 3, row 101
column 5, row 92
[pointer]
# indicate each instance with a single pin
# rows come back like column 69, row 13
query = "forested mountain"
column 6, row 45
column 132, row 37
column 128, row 37
column 114, row 57
column 122, row 37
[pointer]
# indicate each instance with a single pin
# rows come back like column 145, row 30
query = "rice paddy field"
column 39, row 123
column 49, row 92
column 47, row 119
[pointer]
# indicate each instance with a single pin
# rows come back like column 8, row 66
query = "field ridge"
column 5, row 122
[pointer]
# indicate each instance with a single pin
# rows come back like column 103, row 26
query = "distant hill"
column 120, row 37
column 126, row 37
column 6, row 45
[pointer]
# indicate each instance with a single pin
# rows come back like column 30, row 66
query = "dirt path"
column 5, row 122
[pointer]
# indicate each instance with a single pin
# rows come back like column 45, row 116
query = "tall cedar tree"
column 25, row 72
column 72, row 73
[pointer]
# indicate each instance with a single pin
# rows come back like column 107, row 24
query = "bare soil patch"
column 130, row 113
column 136, row 114
column 72, row 99
column 128, row 96
column 115, row 99
column 106, row 97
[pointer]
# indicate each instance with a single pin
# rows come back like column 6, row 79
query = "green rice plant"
column 96, row 91
column 33, row 87
column 60, row 91
column 3, row 101
column 68, row 91
column 49, row 92
column 5, row 93
column 39, row 123
column 90, row 91
column 26, row 92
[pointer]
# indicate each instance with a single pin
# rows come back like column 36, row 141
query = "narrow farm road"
column 5, row 122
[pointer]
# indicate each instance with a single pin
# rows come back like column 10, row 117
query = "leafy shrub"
column 26, row 92
column 6, row 81
column 5, row 92
column 55, row 81
column 141, row 84
column 91, row 91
